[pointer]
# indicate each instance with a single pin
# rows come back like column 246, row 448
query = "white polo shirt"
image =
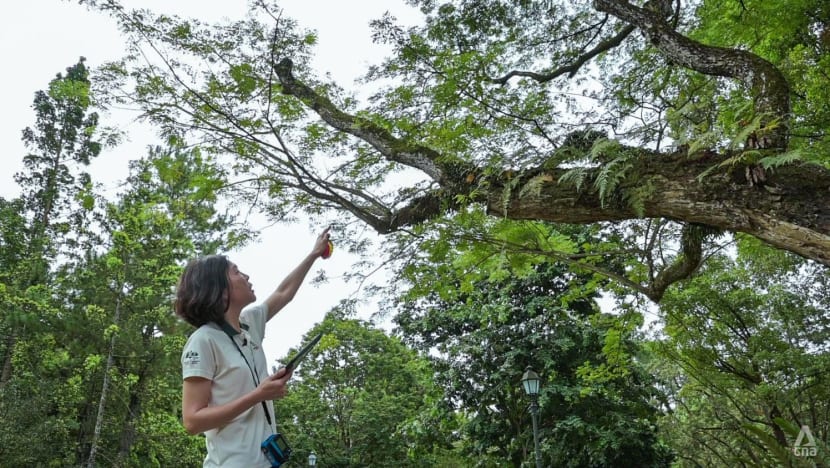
column 210, row 353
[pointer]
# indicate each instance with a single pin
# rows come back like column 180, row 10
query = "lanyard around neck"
column 231, row 332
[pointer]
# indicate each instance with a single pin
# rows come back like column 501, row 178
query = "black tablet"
column 295, row 361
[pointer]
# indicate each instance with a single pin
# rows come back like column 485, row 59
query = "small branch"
column 689, row 259
column 572, row 68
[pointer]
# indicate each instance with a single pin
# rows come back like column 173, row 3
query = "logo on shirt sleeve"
column 191, row 358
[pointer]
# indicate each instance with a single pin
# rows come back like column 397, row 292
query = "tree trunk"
column 6, row 374
column 128, row 433
column 99, row 419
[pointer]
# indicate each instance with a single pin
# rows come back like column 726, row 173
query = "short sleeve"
column 255, row 317
column 198, row 359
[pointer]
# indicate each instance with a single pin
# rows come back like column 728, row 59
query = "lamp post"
column 312, row 459
column 530, row 382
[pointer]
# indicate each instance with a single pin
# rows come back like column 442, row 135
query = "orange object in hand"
column 329, row 250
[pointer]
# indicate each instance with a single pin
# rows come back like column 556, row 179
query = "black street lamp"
column 530, row 382
column 312, row 459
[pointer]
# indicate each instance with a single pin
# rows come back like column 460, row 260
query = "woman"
column 227, row 393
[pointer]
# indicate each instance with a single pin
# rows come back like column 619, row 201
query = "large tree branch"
column 768, row 85
column 790, row 211
column 687, row 262
column 393, row 148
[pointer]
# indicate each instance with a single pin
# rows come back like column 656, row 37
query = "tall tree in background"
column 596, row 401
column 62, row 142
column 99, row 376
column 639, row 115
column 167, row 214
column 46, row 219
column 358, row 400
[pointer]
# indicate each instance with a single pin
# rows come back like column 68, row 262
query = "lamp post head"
column 530, row 382
column 312, row 459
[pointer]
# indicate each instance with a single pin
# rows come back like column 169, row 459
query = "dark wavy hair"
column 200, row 294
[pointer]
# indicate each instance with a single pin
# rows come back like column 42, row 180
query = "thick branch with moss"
column 791, row 211
column 767, row 84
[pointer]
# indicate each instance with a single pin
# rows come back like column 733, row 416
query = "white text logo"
column 805, row 448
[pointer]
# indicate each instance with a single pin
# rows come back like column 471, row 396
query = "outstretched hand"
column 321, row 245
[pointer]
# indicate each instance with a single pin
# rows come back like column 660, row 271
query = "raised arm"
column 288, row 288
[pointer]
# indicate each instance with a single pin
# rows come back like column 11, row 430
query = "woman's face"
column 241, row 292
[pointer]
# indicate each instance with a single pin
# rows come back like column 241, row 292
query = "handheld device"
column 295, row 361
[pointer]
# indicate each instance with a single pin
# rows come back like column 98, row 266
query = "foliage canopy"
column 708, row 114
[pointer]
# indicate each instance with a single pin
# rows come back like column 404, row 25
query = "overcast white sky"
column 39, row 38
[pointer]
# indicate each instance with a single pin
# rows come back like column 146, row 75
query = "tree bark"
column 128, row 433
column 790, row 211
column 99, row 419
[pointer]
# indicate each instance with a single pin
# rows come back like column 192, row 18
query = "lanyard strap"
column 231, row 332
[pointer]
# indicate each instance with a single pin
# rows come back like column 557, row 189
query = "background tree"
column 357, row 401
column 167, row 215
column 596, row 401
column 62, row 142
column 45, row 220
column 100, row 376
column 746, row 348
